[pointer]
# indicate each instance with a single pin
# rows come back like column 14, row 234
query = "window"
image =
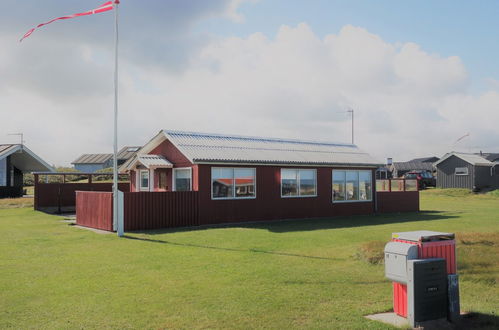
column 351, row 186
column 461, row 171
column 298, row 183
column 182, row 179
column 228, row 183
column 144, row 180
column 339, row 185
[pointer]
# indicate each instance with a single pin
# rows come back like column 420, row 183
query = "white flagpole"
column 116, row 225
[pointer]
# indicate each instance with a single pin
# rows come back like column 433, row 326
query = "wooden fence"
column 152, row 210
column 397, row 195
column 94, row 209
column 61, row 197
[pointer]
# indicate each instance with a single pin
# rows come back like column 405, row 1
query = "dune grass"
column 290, row 274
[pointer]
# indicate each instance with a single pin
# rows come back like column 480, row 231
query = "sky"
column 419, row 75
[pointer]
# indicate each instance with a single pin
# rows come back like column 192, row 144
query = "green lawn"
column 291, row 274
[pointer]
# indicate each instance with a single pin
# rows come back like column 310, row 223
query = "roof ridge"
column 246, row 137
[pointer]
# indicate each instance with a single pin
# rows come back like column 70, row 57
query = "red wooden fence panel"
column 401, row 201
column 94, row 209
column 55, row 196
column 154, row 210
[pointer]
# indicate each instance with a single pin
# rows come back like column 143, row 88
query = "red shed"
column 241, row 178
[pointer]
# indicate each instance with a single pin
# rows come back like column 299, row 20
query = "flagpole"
column 118, row 226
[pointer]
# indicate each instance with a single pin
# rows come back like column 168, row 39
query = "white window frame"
column 174, row 185
column 461, row 168
column 298, row 182
column 148, row 188
column 344, row 183
column 234, row 188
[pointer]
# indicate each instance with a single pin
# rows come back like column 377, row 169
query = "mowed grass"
column 290, row 274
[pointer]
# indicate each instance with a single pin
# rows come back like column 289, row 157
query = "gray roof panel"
column 205, row 147
column 93, row 159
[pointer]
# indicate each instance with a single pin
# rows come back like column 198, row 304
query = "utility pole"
column 350, row 110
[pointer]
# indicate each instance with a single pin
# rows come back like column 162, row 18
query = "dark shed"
column 469, row 171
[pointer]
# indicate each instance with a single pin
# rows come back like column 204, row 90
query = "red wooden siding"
column 63, row 195
column 94, row 209
column 268, row 204
column 153, row 210
column 400, row 201
column 170, row 152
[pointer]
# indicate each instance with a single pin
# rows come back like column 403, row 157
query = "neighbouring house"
column 398, row 169
column 474, row 171
column 244, row 178
column 90, row 163
column 16, row 159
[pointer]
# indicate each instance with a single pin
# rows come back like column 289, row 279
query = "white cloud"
column 408, row 102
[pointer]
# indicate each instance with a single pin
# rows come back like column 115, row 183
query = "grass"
column 290, row 274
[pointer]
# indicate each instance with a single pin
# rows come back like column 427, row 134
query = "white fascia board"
column 31, row 153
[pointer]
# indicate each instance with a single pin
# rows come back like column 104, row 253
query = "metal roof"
column 217, row 148
column 473, row 159
column 6, row 149
column 127, row 152
column 23, row 158
column 412, row 165
column 93, row 159
column 152, row 161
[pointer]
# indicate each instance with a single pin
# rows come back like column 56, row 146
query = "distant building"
column 15, row 160
column 90, row 163
column 471, row 171
column 398, row 169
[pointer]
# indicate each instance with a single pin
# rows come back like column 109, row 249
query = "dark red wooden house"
column 240, row 178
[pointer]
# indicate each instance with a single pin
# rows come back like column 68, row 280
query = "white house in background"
column 16, row 159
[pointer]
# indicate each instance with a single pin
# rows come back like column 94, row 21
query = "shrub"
column 372, row 252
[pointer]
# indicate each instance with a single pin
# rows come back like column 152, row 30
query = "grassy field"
column 280, row 275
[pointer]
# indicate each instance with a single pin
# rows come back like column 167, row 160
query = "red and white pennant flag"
column 102, row 8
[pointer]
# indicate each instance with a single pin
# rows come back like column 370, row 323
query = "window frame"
column 148, row 188
column 358, row 187
column 174, row 181
column 234, row 197
column 462, row 174
column 298, row 183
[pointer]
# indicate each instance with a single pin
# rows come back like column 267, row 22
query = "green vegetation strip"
column 291, row 274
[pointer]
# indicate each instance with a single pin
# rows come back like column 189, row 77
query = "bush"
column 372, row 252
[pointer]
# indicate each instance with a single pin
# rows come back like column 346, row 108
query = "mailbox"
column 396, row 256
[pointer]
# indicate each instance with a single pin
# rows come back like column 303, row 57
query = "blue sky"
column 419, row 74
column 468, row 29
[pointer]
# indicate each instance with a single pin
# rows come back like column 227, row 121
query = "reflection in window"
column 339, row 185
column 144, row 180
column 245, row 182
column 298, row 182
column 365, row 186
column 233, row 182
column 307, row 182
column 352, row 186
column 289, row 182
column 182, row 179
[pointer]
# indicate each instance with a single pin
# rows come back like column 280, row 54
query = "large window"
column 298, row 183
column 230, row 183
column 144, row 180
column 182, row 179
column 351, row 186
